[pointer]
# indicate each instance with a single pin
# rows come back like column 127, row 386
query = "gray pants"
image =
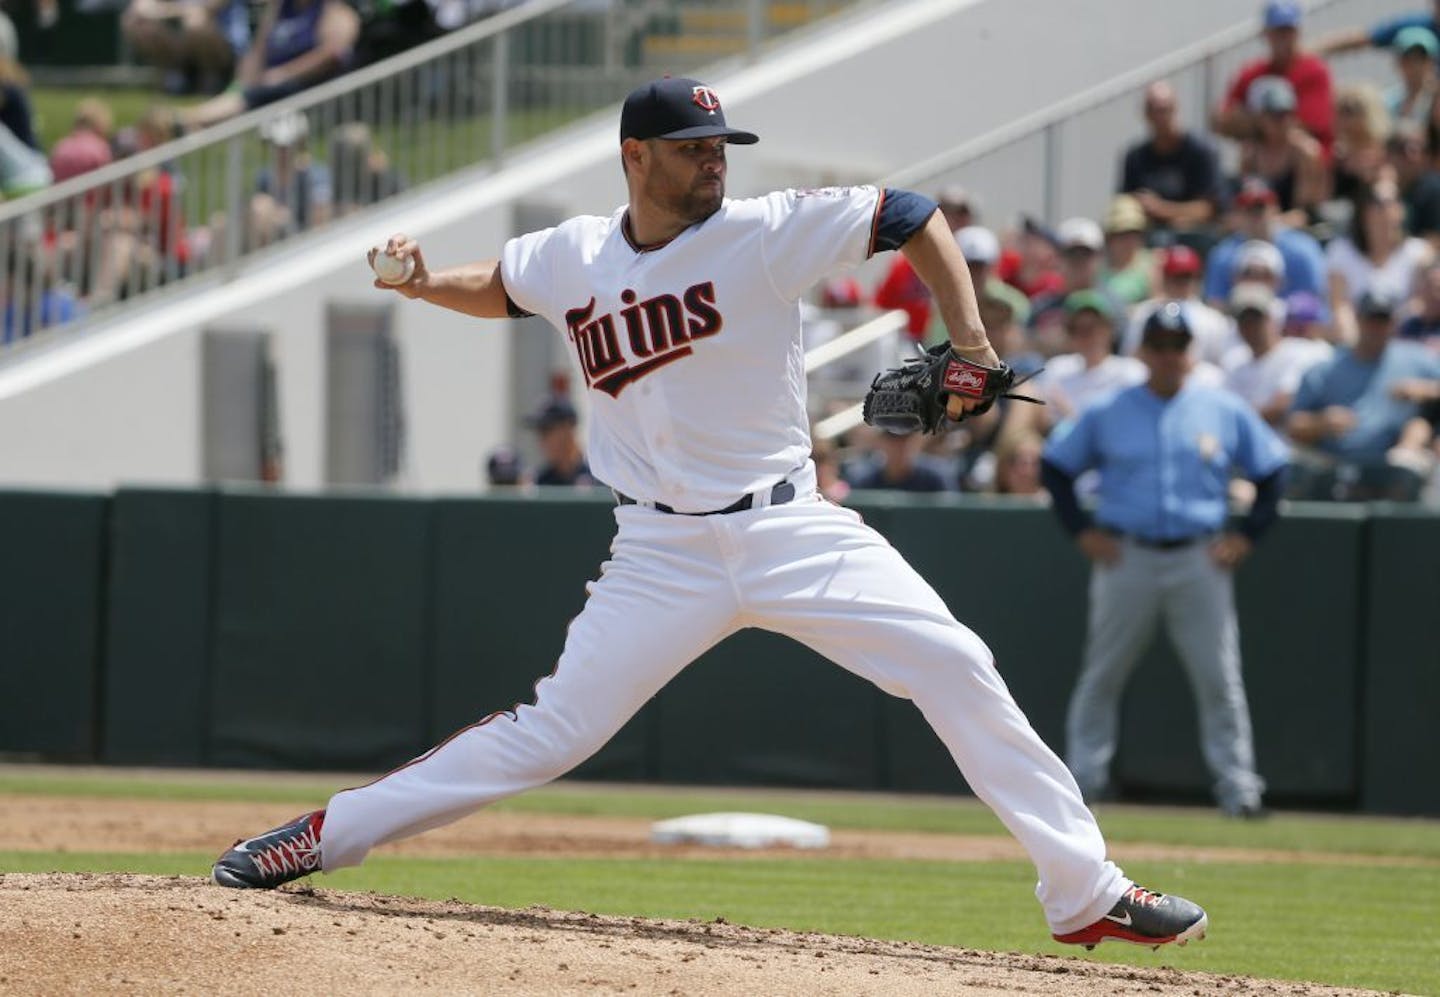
column 1197, row 601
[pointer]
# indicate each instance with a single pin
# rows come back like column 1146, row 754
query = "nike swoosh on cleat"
column 1124, row 921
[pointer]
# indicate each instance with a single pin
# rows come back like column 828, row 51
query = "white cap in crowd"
column 1251, row 296
column 978, row 244
column 1259, row 255
column 1082, row 233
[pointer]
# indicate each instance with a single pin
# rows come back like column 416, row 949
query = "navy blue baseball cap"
column 677, row 108
column 1282, row 14
column 1167, row 323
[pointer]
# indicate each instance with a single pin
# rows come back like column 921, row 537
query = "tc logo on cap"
column 705, row 99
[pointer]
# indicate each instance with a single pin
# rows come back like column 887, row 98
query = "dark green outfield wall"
column 252, row 629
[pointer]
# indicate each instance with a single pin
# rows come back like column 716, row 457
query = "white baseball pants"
column 676, row 585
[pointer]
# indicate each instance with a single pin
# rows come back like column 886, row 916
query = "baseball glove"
column 911, row 398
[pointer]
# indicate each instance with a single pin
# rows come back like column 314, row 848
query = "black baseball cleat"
column 273, row 858
column 1144, row 918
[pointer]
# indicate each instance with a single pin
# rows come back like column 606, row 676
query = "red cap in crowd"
column 1181, row 261
column 1253, row 191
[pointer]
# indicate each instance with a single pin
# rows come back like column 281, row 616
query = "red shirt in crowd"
column 902, row 288
column 1310, row 76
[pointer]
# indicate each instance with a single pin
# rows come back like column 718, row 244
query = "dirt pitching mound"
column 103, row 934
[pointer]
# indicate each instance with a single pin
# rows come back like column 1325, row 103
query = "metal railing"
column 189, row 209
column 873, row 344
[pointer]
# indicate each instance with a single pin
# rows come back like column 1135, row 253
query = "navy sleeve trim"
column 898, row 216
column 875, row 223
column 511, row 308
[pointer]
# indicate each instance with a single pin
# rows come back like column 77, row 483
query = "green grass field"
column 1371, row 920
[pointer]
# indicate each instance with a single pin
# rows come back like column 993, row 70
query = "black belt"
column 1158, row 544
column 779, row 495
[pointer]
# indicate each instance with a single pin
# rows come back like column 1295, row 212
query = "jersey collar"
column 640, row 248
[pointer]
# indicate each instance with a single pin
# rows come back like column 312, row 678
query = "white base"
column 740, row 830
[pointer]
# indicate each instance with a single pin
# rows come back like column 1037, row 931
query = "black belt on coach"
column 779, row 495
column 1157, row 544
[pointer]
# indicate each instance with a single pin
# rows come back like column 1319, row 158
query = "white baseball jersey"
column 691, row 349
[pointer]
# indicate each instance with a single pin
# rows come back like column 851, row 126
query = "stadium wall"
column 240, row 628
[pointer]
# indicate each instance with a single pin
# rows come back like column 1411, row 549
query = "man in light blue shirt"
column 1360, row 415
column 1159, row 544
column 1363, row 406
column 1257, row 212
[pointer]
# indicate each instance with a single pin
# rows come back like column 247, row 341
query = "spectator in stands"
column 196, row 42
column 1017, row 465
column 828, row 479
column 1259, row 262
column 902, row 288
column 1418, row 180
column 1082, row 244
column 1382, row 34
column 563, row 461
column 1362, row 129
column 1129, row 269
column 1174, row 174
column 1362, row 409
column 1213, row 334
column 1005, row 325
column 1283, row 153
column 360, row 169
column 1423, row 325
column 1306, row 317
column 1269, row 379
column 1035, row 269
column 1377, row 255
column 1071, row 381
column 87, row 146
column 293, row 193
column 1308, row 75
column 1257, row 216
column 297, row 44
column 1412, row 98
column 981, row 250
column 958, row 206
column 900, row 468
column 503, row 468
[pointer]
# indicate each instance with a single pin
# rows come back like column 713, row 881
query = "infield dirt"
column 128, row 934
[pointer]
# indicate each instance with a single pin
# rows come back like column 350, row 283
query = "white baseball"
column 392, row 269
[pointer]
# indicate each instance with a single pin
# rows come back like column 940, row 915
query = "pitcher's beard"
column 700, row 204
